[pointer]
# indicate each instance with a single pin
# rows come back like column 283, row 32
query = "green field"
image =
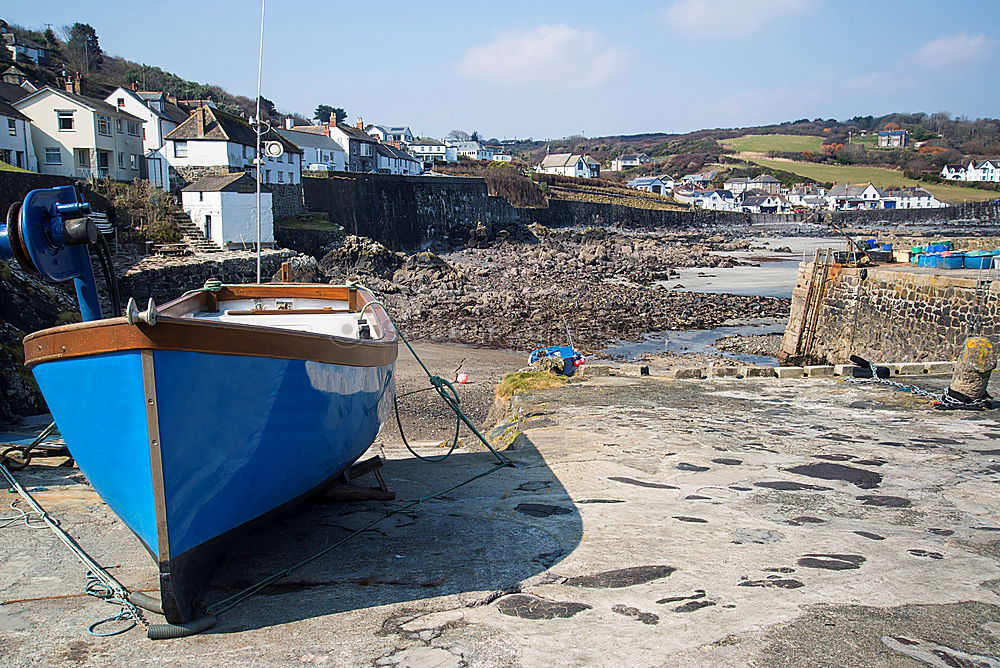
column 765, row 143
column 879, row 176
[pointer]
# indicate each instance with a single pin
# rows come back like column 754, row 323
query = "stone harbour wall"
column 886, row 313
column 985, row 214
column 166, row 278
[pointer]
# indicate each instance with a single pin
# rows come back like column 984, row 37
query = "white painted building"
column 630, row 161
column 715, row 200
column 977, row 170
column 848, row 196
column 393, row 160
column 910, row 198
column 570, row 164
column 502, row 157
column 388, row 134
column 760, row 204
column 651, row 184
column 319, row 151
column 430, row 151
column 224, row 206
column 213, row 138
column 82, row 137
column 160, row 116
column 16, row 147
column 472, row 150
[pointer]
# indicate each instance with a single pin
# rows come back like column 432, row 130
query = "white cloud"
column 952, row 50
column 730, row 18
column 550, row 56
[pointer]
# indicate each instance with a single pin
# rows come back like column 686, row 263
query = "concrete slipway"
column 650, row 522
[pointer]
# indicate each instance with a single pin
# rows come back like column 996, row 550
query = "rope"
column 449, row 395
column 100, row 584
column 25, row 450
column 211, row 285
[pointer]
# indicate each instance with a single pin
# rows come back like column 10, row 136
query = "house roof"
column 850, row 189
column 724, row 194
column 467, row 145
column 908, row 191
column 738, row 179
column 207, row 123
column 310, row 139
column 765, row 178
column 889, row 133
column 590, row 161
column 355, row 133
column 10, row 112
column 756, row 200
column 390, row 129
column 560, row 159
column 236, row 182
column 390, row 151
column 427, row 141
column 645, row 181
column 99, row 106
column 11, row 93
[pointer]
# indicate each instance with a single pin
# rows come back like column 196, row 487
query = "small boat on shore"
column 217, row 410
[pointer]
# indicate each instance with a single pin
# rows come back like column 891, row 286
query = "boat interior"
column 329, row 310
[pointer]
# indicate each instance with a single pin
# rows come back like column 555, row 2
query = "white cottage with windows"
column 212, row 138
column 224, row 207
column 319, row 151
column 82, row 137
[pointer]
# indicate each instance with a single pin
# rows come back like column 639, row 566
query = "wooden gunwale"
column 174, row 332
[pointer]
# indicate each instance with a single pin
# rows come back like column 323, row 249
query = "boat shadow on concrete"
column 486, row 536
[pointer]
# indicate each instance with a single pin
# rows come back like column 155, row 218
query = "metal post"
column 260, row 66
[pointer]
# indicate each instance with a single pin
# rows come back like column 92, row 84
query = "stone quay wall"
column 15, row 185
column 885, row 314
column 985, row 214
column 166, row 278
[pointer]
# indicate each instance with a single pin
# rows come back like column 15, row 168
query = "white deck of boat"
column 334, row 324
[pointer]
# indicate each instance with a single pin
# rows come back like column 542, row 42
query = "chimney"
column 77, row 87
column 200, row 121
column 134, row 85
column 360, row 124
column 68, row 83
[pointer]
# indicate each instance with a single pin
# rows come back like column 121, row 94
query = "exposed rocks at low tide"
column 524, row 292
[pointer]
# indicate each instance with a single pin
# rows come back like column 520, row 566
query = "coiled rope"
column 210, row 285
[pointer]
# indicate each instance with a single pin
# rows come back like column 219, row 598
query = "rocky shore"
column 522, row 292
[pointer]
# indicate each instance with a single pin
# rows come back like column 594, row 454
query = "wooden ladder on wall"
column 813, row 301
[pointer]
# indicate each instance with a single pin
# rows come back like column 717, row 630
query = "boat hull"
column 191, row 448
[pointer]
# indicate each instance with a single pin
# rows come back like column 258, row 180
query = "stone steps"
column 193, row 236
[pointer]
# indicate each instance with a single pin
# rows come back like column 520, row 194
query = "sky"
column 555, row 68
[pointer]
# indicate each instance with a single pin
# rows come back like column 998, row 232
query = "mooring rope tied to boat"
column 100, row 584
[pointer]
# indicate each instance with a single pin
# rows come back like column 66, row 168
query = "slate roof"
column 91, row 103
column 222, row 126
column 12, row 92
column 171, row 111
column 427, row 141
column 236, row 182
column 765, row 178
column 908, row 191
column 755, row 201
column 738, row 179
column 11, row 112
column 560, row 159
column 645, row 181
column 310, row 139
column 354, row 133
column 390, row 151
column 849, row 190
column 391, row 129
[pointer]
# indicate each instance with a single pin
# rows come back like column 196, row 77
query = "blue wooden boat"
column 231, row 406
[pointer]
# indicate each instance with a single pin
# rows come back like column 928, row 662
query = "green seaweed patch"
column 523, row 381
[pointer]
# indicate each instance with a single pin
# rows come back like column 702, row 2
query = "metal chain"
column 944, row 400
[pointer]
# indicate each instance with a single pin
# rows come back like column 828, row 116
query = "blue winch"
column 49, row 234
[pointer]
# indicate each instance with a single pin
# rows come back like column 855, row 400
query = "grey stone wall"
column 165, row 278
column 15, row 185
column 286, row 199
column 888, row 314
column 986, row 214
column 183, row 176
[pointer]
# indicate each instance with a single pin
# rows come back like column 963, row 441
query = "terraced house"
column 82, row 137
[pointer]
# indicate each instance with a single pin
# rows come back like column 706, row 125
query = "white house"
column 358, row 145
column 388, row 134
column 953, row 172
column 910, row 198
column 472, row 150
column 623, row 162
column 737, row 184
column 500, row 156
column 392, row 160
column 847, row 196
column 652, row 184
column 430, row 151
column 701, row 179
column 16, row 147
column 760, row 204
column 570, row 164
column 983, row 170
column 319, row 151
column 806, row 195
column 715, row 200
column 160, row 116
column 82, row 137
column 224, row 206
column 216, row 139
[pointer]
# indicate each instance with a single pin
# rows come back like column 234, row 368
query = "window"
column 180, row 149
column 103, row 125
column 366, row 149
column 121, row 160
column 134, row 161
column 132, row 127
column 118, row 125
column 12, row 127
column 281, row 176
column 82, row 158
column 65, row 120
column 121, row 102
column 53, row 156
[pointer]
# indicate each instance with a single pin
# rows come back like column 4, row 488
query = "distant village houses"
column 320, row 152
column 977, row 170
column 429, row 151
column 630, row 161
column 473, row 150
column 388, row 134
column 893, row 138
column 652, row 184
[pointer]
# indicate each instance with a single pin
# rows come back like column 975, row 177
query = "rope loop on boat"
column 210, row 285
